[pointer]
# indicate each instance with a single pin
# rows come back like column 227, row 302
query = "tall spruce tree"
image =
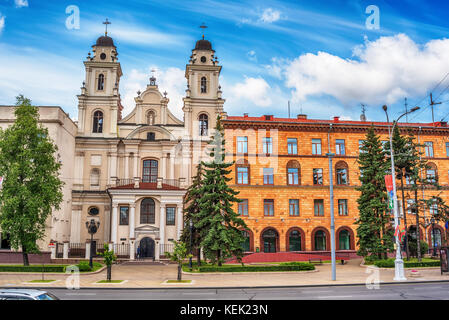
column 192, row 212
column 222, row 236
column 374, row 236
column 31, row 186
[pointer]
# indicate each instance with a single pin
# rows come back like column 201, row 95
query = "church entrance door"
column 147, row 248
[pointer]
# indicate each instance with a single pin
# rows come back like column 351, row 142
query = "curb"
column 242, row 287
column 51, row 273
column 255, row 272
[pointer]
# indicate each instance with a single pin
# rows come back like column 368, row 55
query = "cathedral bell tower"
column 203, row 100
column 99, row 106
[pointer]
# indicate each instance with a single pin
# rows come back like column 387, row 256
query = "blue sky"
column 320, row 55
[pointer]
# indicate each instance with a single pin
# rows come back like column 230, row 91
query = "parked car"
column 26, row 294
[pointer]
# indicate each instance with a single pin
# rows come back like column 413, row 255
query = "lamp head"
column 384, row 107
column 414, row 109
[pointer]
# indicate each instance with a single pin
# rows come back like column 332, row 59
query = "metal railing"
column 124, row 182
column 77, row 250
column 171, row 182
column 121, row 250
column 166, row 247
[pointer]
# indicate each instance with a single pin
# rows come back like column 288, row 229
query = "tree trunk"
column 418, row 235
column 26, row 262
column 405, row 219
column 109, row 273
column 198, row 256
column 179, row 272
column 218, row 258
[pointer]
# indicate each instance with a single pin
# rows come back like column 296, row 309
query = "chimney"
column 268, row 117
column 336, row 119
column 245, row 115
column 301, row 116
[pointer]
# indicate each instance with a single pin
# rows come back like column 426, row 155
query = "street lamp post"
column 331, row 191
column 191, row 231
column 399, row 274
column 92, row 228
column 434, row 253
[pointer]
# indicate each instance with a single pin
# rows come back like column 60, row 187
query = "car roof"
column 26, row 292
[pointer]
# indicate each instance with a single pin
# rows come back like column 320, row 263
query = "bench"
column 316, row 261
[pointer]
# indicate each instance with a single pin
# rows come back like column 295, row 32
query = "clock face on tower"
column 103, row 56
column 203, row 59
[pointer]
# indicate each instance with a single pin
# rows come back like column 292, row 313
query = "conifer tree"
column 374, row 236
column 191, row 213
column 31, row 186
column 221, row 226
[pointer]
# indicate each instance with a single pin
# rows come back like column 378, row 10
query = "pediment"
column 147, row 229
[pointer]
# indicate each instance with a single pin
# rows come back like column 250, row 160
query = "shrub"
column 389, row 263
column 32, row 268
column 303, row 266
column 84, row 266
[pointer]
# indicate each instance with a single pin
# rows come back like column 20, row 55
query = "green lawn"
column 41, row 281
column 112, row 281
column 176, row 281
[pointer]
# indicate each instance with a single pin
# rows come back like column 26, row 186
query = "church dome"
column 203, row 45
column 105, row 41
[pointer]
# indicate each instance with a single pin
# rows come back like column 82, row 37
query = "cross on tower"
column 106, row 24
column 203, row 26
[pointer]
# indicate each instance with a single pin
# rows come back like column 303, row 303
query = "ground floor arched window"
column 270, row 238
column 436, row 237
column 294, row 241
column 344, row 240
column 320, row 240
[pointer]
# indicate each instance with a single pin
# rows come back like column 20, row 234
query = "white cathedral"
column 129, row 173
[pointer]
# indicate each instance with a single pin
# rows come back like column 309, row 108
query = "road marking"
column 333, row 297
column 80, row 294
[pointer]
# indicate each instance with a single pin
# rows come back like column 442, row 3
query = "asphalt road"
column 409, row 291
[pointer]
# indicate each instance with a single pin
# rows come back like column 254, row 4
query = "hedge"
column 238, row 268
column 32, row 268
column 407, row 264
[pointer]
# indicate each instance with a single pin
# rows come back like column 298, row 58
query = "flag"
column 389, row 183
column 447, row 225
column 400, row 233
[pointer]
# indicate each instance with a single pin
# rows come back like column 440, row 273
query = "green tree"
column 31, row 186
column 191, row 213
column 221, row 226
column 108, row 258
column 375, row 237
column 178, row 255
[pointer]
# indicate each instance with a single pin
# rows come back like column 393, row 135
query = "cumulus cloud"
column 170, row 80
column 269, row 15
column 381, row 71
column 21, row 3
column 2, row 23
column 255, row 90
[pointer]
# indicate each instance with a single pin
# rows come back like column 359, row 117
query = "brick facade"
column 308, row 225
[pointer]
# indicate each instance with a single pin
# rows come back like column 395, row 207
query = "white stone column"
column 157, row 250
column 65, row 254
column 113, row 164
column 75, row 225
column 162, row 223
column 172, row 166
column 132, row 220
column 164, row 167
column 114, row 223
column 180, row 221
column 136, row 166
column 87, row 256
column 53, row 253
column 126, row 167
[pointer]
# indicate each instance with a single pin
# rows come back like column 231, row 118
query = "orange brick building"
column 282, row 173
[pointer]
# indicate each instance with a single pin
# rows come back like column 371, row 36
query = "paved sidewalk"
column 153, row 276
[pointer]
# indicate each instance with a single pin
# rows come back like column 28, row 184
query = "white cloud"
column 255, row 90
column 269, row 15
column 170, row 80
column 381, row 71
column 2, row 23
column 21, row 3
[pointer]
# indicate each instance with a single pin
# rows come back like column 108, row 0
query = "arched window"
column 435, row 237
column 294, row 241
column 431, row 172
column 203, row 85
column 242, row 172
column 150, row 117
column 93, row 211
column 100, row 82
column 98, row 122
column 341, row 173
column 320, row 240
column 269, row 240
column 204, row 124
column 150, row 171
column 344, row 240
column 293, row 173
column 95, row 177
column 147, row 211
column 246, row 241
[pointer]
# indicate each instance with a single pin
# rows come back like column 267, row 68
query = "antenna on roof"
column 289, row 109
column 363, row 115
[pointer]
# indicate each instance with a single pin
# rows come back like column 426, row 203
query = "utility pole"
column 289, row 109
column 433, row 103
